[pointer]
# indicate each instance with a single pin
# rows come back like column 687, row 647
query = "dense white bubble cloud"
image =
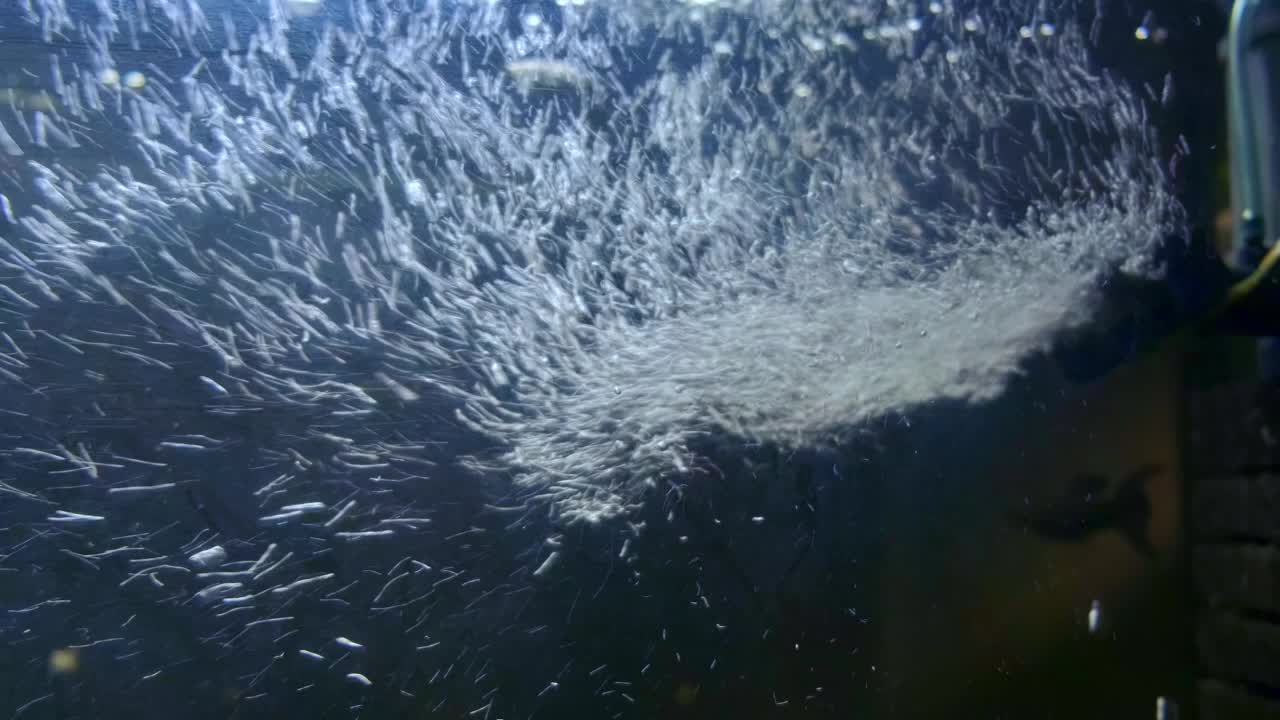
column 571, row 242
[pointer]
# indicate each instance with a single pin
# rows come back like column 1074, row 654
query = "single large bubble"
column 318, row 318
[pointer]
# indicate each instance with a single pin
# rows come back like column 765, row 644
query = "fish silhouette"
column 1088, row 508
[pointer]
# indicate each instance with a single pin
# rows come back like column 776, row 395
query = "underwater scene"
column 598, row 359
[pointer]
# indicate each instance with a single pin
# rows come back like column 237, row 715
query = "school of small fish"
column 303, row 306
